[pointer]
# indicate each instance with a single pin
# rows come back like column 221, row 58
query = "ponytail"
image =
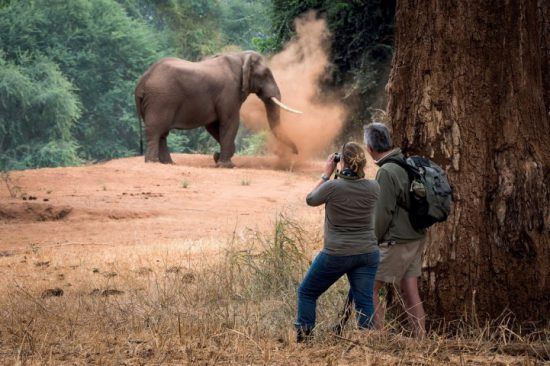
column 354, row 158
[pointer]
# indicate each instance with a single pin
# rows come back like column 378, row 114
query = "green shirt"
column 391, row 220
column 349, row 215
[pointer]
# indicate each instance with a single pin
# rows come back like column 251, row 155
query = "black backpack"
column 429, row 190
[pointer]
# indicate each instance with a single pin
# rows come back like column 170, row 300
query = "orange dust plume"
column 297, row 70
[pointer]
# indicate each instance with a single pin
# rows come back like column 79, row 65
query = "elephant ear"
column 246, row 71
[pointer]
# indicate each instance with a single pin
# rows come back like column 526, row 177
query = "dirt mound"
column 32, row 212
column 112, row 215
column 27, row 211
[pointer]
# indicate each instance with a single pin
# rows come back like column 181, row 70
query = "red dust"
column 298, row 68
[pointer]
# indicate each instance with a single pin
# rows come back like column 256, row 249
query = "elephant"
column 178, row 94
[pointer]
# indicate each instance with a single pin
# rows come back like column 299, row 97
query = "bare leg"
column 164, row 153
column 379, row 309
column 413, row 306
column 214, row 130
column 228, row 132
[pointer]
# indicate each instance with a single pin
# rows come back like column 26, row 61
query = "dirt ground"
column 132, row 254
column 127, row 202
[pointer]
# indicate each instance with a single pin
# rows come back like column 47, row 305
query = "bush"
column 254, row 143
column 52, row 154
column 90, row 51
column 38, row 109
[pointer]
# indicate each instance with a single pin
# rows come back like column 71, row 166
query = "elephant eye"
column 265, row 72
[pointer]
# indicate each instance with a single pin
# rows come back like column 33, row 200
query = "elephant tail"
column 139, row 108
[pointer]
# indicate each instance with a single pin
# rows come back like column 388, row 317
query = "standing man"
column 400, row 244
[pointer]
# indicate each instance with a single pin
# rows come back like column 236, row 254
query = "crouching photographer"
column 350, row 245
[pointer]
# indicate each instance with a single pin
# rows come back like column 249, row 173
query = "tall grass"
column 236, row 305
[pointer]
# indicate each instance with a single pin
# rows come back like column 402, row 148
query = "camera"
column 337, row 157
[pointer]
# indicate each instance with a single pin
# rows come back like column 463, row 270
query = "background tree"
column 38, row 109
column 198, row 28
column 245, row 23
column 101, row 47
column 469, row 88
column 99, row 50
column 92, row 52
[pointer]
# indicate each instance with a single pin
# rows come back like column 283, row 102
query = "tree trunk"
column 470, row 88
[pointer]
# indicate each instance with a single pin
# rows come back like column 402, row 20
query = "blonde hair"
column 354, row 158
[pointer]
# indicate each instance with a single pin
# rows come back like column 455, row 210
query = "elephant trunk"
column 274, row 119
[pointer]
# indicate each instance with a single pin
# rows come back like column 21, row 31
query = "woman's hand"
column 329, row 169
column 330, row 165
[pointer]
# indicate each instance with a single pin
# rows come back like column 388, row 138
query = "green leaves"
column 69, row 62
column 38, row 105
column 68, row 70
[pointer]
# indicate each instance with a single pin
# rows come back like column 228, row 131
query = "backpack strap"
column 412, row 171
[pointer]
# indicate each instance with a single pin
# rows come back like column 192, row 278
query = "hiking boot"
column 303, row 335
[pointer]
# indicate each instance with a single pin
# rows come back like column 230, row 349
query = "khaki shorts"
column 398, row 261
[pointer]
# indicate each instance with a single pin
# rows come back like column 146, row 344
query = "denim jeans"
column 326, row 270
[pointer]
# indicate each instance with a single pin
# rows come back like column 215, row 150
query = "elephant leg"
column 153, row 141
column 164, row 153
column 157, row 125
column 214, row 130
column 228, row 132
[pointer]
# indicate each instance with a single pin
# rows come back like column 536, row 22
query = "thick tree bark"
column 470, row 88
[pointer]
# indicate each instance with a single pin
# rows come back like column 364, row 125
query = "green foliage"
column 193, row 26
column 38, row 109
column 192, row 141
column 101, row 51
column 246, row 23
column 201, row 142
column 68, row 68
column 265, row 45
column 53, row 153
column 254, row 144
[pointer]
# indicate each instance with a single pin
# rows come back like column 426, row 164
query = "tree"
column 38, row 109
column 469, row 88
column 99, row 50
column 91, row 53
column 245, row 22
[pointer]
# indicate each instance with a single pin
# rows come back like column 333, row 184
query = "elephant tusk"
column 280, row 104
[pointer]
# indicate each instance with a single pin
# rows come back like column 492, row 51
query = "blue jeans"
column 324, row 272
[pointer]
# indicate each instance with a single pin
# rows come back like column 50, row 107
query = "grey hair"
column 377, row 137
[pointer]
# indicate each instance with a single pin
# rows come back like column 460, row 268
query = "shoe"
column 303, row 335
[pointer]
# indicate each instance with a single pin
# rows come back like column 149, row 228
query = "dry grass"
column 178, row 304
column 13, row 189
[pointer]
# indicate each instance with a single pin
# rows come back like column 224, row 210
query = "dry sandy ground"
column 153, row 233
column 128, row 202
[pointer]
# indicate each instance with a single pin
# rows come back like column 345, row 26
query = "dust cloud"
column 297, row 69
